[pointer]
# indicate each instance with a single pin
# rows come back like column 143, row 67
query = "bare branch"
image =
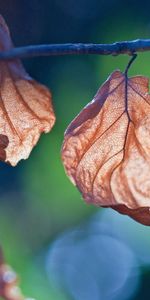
column 125, row 47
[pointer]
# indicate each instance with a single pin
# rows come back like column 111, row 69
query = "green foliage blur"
column 37, row 200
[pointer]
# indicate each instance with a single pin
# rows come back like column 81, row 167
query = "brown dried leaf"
column 106, row 150
column 9, row 289
column 25, row 107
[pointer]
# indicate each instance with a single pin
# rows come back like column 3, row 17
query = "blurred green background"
column 38, row 203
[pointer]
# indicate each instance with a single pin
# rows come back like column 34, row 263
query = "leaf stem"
column 126, row 86
column 134, row 56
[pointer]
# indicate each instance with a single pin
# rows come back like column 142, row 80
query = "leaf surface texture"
column 106, row 149
column 25, row 107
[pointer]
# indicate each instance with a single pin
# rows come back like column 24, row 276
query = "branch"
column 126, row 47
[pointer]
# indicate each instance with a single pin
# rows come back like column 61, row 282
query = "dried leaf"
column 25, row 107
column 9, row 289
column 106, row 150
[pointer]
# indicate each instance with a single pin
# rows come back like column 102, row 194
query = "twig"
column 126, row 47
